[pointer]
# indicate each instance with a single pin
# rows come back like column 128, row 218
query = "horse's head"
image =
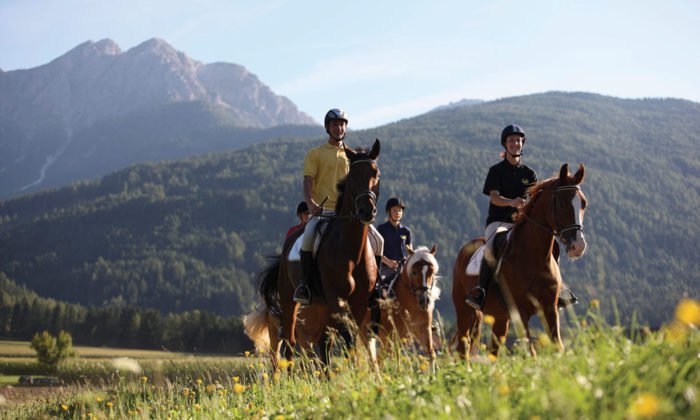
column 362, row 183
column 420, row 272
column 569, row 208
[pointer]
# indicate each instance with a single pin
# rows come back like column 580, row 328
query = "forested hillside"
column 192, row 234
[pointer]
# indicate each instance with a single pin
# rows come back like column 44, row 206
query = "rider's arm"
column 308, row 187
column 498, row 200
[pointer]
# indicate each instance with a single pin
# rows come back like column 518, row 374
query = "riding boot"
column 477, row 296
column 302, row 294
column 566, row 298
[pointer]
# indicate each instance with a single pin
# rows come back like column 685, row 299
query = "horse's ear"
column 564, row 172
column 433, row 250
column 409, row 249
column 578, row 177
column 374, row 153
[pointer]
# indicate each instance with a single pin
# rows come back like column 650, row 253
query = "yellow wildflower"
column 64, row 407
column 236, row 379
column 238, row 388
column 595, row 303
column 544, row 340
column 279, row 417
column 489, row 319
column 503, row 390
column 688, row 312
column 247, row 354
column 646, row 405
column 185, row 392
column 424, row 366
column 99, row 399
column 210, row 388
column 109, row 404
column 144, row 379
column 197, row 407
column 493, row 357
column 284, row 363
column 199, row 381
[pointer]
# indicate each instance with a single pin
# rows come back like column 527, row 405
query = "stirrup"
column 302, row 294
column 566, row 298
column 476, row 298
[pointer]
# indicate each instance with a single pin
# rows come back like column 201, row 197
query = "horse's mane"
column 534, row 191
column 361, row 153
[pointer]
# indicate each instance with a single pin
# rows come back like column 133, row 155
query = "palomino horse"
column 345, row 272
column 409, row 316
column 528, row 279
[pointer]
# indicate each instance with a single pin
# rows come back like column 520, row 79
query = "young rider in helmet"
column 396, row 238
column 303, row 214
column 505, row 185
column 324, row 166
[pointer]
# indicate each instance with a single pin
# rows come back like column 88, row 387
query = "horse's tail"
column 257, row 327
column 267, row 284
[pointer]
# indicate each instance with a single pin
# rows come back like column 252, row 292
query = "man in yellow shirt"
column 324, row 166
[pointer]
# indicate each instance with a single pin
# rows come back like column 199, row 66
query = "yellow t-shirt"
column 327, row 165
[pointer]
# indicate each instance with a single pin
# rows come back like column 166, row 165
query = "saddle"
column 500, row 242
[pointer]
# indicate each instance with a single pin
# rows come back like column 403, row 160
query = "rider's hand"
column 518, row 202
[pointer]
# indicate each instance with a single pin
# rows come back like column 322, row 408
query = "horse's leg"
column 499, row 331
column 552, row 318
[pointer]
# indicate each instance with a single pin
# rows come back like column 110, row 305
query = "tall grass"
column 605, row 372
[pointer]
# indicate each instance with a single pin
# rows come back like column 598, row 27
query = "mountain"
column 458, row 104
column 193, row 234
column 64, row 120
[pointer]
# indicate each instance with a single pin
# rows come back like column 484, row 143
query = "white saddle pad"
column 294, row 252
column 475, row 263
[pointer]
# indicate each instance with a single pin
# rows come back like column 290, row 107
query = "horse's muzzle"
column 576, row 248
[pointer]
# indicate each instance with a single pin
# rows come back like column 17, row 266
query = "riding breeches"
column 307, row 243
column 491, row 230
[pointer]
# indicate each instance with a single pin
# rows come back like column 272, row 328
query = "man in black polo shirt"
column 396, row 238
column 505, row 185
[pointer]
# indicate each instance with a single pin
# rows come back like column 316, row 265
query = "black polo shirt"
column 511, row 181
column 395, row 240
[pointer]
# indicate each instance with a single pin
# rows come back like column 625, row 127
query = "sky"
column 386, row 60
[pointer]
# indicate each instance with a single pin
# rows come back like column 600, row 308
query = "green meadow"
column 607, row 371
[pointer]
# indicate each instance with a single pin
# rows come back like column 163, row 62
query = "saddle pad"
column 296, row 248
column 475, row 262
column 294, row 252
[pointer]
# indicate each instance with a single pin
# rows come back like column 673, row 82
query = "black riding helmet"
column 512, row 129
column 394, row 201
column 302, row 207
column 334, row 114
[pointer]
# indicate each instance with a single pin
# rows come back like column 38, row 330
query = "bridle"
column 354, row 212
column 558, row 230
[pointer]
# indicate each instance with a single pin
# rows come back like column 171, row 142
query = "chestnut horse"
column 345, row 270
column 409, row 316
column 527, row 279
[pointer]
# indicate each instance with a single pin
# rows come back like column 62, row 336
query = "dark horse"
column 346, row 271
column 528, row 280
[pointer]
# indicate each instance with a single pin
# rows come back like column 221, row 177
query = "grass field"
column 21, row 349
column 605, row 372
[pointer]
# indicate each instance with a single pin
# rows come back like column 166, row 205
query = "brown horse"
column 409, row 316
column 527, row 280
column 345, row 272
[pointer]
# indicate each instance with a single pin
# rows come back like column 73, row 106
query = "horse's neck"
column 352, row 232
column 535, row 235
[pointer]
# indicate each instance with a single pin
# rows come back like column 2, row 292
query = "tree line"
column 23, row 314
